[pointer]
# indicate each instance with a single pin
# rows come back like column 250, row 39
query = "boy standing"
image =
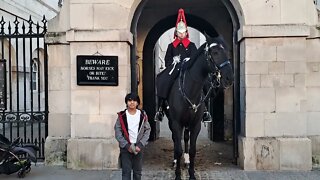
column 132, row 131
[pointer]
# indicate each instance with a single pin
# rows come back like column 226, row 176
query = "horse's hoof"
column 186, row 165
column 174, row 163
column 178, row 178
column 192, row 178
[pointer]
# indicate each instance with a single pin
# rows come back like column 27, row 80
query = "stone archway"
column 149, row 100
column 149, row 36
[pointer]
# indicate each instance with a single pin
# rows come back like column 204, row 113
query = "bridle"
column 217, row 67
column 213, row 75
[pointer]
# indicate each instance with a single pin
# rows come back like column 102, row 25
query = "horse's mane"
column 199, row 51
column 220, row 40
column 209, row 40
column 195, row 56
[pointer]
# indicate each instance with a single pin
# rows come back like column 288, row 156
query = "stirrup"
column 159, row 116
column 206, row 118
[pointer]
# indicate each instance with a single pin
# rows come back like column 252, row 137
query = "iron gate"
column 24, row 81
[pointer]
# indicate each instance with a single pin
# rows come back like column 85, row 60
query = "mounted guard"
column 181, row 49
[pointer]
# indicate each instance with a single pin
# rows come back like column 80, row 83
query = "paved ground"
column 213, row 162
column 210, row 155
column 41, row 172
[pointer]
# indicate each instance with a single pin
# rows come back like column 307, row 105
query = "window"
column 34, row 74
column 317, row 3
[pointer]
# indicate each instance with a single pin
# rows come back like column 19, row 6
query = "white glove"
column 186, row 59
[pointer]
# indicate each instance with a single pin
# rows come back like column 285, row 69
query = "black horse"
column 186, row 97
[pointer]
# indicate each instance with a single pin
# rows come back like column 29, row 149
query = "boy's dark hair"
column 132, row 96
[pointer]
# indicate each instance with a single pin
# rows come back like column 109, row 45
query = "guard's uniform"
column 178, row 50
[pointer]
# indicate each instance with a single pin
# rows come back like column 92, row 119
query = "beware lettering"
column 97, row 70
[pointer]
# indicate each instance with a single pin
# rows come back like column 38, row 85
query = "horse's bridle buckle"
column 194, row 107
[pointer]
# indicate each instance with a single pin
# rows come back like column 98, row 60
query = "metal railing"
column 24, row 85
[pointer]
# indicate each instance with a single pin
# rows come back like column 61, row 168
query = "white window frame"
column 34, row 71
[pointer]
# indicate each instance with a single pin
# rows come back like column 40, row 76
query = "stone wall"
column 279, row 81
column 82, row 117
column 283, row 153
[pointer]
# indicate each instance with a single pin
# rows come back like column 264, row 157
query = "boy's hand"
column 138, row 149
column 133, row 149
column 129, row 149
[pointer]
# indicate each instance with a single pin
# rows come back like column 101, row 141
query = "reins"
column 182, row 76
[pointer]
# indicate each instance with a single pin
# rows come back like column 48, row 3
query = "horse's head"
column 216, row 52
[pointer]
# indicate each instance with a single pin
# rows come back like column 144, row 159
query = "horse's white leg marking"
column 174, row 163
column 186, row 158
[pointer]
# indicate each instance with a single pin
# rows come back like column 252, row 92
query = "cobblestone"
column 41, row 172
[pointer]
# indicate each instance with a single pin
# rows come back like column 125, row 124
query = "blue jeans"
column 129, row 163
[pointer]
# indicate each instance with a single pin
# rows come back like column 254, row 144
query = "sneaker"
column 206, row 118
column 159, row 116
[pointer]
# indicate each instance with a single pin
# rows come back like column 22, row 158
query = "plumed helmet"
column 181, row 24
column 181, row 27
column 132, row 96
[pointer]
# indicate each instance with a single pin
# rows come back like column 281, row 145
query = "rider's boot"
column 206, row 118
column 159, row 115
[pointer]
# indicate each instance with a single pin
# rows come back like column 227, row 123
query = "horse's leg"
column 192, row 151
column 174, row 162
column 176, row 133
column 178, row 154
column 170, row 123
column 186, row 147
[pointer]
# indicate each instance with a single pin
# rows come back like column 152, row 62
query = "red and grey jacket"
column 121, row 130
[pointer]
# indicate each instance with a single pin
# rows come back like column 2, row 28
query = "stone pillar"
column 278, row 106
column 93, row 108
column 59, row 104
column 274, row 98
column 82, row 118
column 313, row 95
column 59, row 83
